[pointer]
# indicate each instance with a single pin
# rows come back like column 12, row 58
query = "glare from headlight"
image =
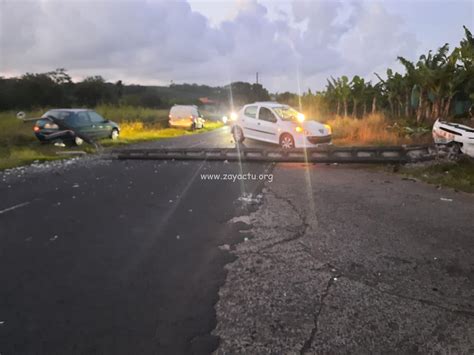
column 233, row 116
column 300, row 117
column 328, row 128
column 224, row 119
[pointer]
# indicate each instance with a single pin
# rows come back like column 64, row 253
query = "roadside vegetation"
column 458, row 175
column 134, row 132
column 438, row 84
column 399, row 108
column 19, row 146
column 376, row 129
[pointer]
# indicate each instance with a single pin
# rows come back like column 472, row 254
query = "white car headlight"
column 328, row 128
column 299, row 129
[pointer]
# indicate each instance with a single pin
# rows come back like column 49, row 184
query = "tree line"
column 57, row 89
column 427, row 90
column 439, row 83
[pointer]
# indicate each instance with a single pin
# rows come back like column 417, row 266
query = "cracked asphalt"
column 144, row 257
column 347, row 260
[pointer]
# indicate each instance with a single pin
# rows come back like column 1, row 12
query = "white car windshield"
column 286, row 113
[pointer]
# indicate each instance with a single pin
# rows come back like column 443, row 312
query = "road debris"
column 250, row 199
column 241, row 219
column 54, row 238
column 14, row 207
column 446, row 199
column 410, row 179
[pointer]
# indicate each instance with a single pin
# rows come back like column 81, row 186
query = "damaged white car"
column 454, row 138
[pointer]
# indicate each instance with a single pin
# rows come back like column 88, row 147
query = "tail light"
column 36, row 128
column 51, row 126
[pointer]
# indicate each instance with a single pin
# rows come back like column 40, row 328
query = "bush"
column 373, row 129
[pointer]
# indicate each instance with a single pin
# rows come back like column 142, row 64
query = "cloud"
column 375, row 38
column 158, row 41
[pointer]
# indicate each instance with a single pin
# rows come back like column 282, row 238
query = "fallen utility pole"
column 328, row 154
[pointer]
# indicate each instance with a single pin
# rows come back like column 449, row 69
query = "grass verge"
column 19, row 146
column 458, row 175
column 375, row 129
column 23, row 156
column 135, row 132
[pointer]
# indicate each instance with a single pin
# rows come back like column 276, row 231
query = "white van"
column 186, row 116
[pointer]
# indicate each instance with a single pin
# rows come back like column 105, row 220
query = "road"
column 220, row 138
column 129, row 257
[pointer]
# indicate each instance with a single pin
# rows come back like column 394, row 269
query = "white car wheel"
column 238, row 135
column 287, row 141
column 78, row 140
column 115, row 134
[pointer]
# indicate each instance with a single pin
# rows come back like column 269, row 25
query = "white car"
column 277, row 123
column 454, row 137
column 185, row 116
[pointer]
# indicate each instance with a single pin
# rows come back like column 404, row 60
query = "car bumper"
column 180, row 124
column 49, row 136
column 312, row 141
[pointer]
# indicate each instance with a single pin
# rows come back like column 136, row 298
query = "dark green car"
column 74, row 126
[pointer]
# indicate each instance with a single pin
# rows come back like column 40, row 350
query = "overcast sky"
column 292, row 44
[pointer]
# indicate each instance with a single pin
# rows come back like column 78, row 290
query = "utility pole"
column 257, row 78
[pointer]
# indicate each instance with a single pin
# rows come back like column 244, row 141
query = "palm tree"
column 345, row 91
column 333, row 93
column 357, row 92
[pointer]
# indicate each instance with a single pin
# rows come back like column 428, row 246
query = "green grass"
column 134, row 132
column 457, row 175
column 23, row 156
column 123, row 114
column 19, row 146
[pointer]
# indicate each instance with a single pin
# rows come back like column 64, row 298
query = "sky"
column 294, row 45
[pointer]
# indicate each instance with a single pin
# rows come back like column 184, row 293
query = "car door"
column 100, row 128
column 82, row 124
column 249, row 121
column 267, row 127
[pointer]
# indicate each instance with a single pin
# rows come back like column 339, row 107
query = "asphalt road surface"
column 128, row 257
